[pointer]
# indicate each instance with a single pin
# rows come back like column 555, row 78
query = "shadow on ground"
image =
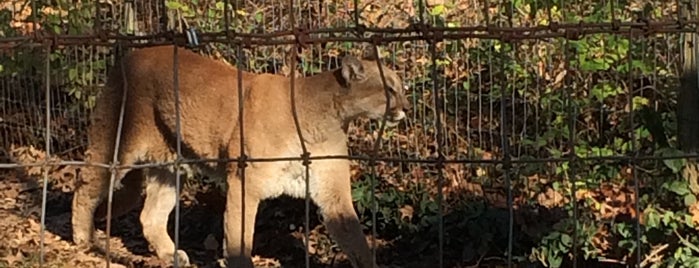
column 475, row 235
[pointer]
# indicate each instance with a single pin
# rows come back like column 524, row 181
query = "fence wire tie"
column 420, row 28
column 616, row 25
column 554, row 26
column 38, row 37
column 359, row 30
column 242, row 161
column 305, row 156
column 439, row 164
column 50, row 41
column 680, row 22
column 646, row 25
column 302, row 37
column 437, row 36
column 102, row 34
column 377, row 40
column 114, row 167
column 192, row 38
column 228, row 34
column 246, row 42
column 573, row 34
column 178, row 163
column 507, row 37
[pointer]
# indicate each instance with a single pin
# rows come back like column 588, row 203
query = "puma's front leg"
column 343, row 225
column 334, row 198
column 239, row 221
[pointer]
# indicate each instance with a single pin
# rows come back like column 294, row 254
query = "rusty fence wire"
column 506, row 109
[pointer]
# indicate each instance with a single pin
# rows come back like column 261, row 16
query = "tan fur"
column 326, row 103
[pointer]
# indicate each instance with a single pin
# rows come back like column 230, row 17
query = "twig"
column 653, row 256
column 615, row 261
column 478, row 263
column 686, row 242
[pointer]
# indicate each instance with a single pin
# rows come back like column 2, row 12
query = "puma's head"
column 367, row 92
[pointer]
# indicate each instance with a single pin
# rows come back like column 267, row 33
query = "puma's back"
column 208, row 101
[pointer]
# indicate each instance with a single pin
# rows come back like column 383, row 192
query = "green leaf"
column 258, row 17
column 555, row 260
column 652, row 219
column 678, row 187
column 668, row 217
column 627, row 244
column 566, row 240
column 172, row 4
column 639, row 102
column 689, row 200
column 674, row 164
column 437, row 10
column 72, row 74
column 466, row 85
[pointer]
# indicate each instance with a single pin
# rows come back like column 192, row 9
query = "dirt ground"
column 278, row 239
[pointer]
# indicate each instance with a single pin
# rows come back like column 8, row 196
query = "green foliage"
column 74, row 69
column 586, row 97
column 389, row 204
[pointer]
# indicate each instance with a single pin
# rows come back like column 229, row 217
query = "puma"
column 208, row 90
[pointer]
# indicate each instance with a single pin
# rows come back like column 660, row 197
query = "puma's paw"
column 82, row 238
column 182, row 258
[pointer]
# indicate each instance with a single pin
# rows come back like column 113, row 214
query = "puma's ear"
column 352, row 69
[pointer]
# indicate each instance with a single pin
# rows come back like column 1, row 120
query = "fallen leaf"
column 12, row 259
column 406, row 212
column 694, row 211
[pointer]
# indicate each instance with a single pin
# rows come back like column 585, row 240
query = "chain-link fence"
column 539, row 133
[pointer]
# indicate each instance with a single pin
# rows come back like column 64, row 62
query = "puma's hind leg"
column 91, row 190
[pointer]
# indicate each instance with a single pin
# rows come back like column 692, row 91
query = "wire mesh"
column 494, row 109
